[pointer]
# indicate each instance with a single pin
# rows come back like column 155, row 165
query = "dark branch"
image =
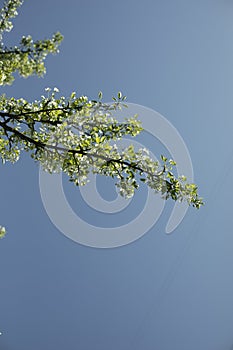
column 80, row 151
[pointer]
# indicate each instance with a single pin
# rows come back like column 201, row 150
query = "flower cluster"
column 73, row 134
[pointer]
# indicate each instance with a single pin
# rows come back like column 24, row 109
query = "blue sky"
column 162, row 291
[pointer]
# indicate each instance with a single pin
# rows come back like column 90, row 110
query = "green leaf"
column 164, row 159
column 2, row 231
column 119, row 95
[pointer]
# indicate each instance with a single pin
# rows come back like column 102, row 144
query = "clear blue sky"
column 161, row 292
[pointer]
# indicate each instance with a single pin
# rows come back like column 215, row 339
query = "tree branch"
column 79, row 151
